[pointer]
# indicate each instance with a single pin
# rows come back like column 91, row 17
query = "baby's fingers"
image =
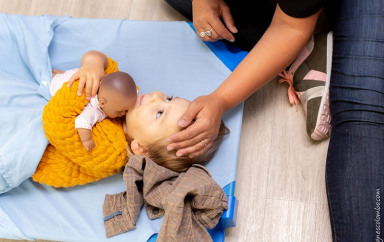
column 90, row 147
column 73, row 78
column 92, row 84
column 81, row 85
column 95, row 88
column 88, row 88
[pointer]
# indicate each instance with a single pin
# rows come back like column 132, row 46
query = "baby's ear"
column 138, row 149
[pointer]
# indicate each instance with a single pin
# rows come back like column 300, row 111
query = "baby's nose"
column 155, row 97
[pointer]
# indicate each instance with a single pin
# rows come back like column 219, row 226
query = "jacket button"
column 155, row 210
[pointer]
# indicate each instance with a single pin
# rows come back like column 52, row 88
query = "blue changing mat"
column 164, row 56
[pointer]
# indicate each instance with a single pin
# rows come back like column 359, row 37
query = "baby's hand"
column 88, row 144
column 90, row 74
column 89, row 77
column 86, row 138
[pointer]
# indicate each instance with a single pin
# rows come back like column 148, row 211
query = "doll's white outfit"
column 91, row 113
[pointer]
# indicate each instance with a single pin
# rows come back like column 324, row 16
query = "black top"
column 300, row 8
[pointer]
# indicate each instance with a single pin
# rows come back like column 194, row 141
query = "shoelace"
column 292, row 95
column 287, row 76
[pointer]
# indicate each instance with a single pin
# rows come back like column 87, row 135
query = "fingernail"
column 79, row 94
column 182, row 123
column 232, row 40
column 178, row 154
column 169, row 148
column 169, row 139
column 235, row 29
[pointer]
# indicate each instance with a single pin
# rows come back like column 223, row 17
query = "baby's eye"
column 159, row 113
column 169, row 98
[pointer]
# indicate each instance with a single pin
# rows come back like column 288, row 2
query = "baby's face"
column 118, row 105
column 155, row 117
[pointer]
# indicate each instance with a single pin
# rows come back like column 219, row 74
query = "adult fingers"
column 206, row 30
column 210, row 35
column 198, row 152
column 213, row 31
column 205, row 127
column 196, row 135
column 221, row 30
column 195, row 150
column 193, row 109
column 189, row 141
column 228, row 20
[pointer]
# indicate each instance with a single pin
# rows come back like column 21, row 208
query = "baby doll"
column 117, row 94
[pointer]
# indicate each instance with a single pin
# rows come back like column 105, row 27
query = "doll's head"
column 150, row 123
column 117, row 94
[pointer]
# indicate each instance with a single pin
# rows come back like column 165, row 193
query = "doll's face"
column 155, row 117
column 116, row 105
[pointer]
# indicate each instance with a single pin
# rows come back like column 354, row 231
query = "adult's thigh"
column 251, row 18
column 355, row 161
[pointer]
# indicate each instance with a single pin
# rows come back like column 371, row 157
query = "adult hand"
column 207, row 111
column 207, row 15
column 90, row 74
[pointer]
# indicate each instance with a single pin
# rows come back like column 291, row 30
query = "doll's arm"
column 84, row 123
column 86, row 138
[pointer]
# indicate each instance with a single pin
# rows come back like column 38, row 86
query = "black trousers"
column 252, row 18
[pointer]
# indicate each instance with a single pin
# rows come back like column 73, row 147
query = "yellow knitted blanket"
column 65, row 161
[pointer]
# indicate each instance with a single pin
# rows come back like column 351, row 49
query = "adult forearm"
column 278, row 47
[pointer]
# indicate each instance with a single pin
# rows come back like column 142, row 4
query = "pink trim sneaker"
column 308, row 78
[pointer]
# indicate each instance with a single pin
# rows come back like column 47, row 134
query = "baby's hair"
column 119, row 82
column 168, row 159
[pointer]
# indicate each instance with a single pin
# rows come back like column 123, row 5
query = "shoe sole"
column 323, row 121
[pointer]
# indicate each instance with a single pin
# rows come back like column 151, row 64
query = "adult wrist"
column 222, row 104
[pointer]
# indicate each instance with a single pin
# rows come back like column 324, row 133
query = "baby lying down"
column 147, row 126
column 179, row 188
column 151, row 120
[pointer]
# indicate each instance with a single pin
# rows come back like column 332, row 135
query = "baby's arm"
column 93, row 64
column 84, row 123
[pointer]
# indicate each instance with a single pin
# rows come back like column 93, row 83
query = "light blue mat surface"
column 165, row 56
